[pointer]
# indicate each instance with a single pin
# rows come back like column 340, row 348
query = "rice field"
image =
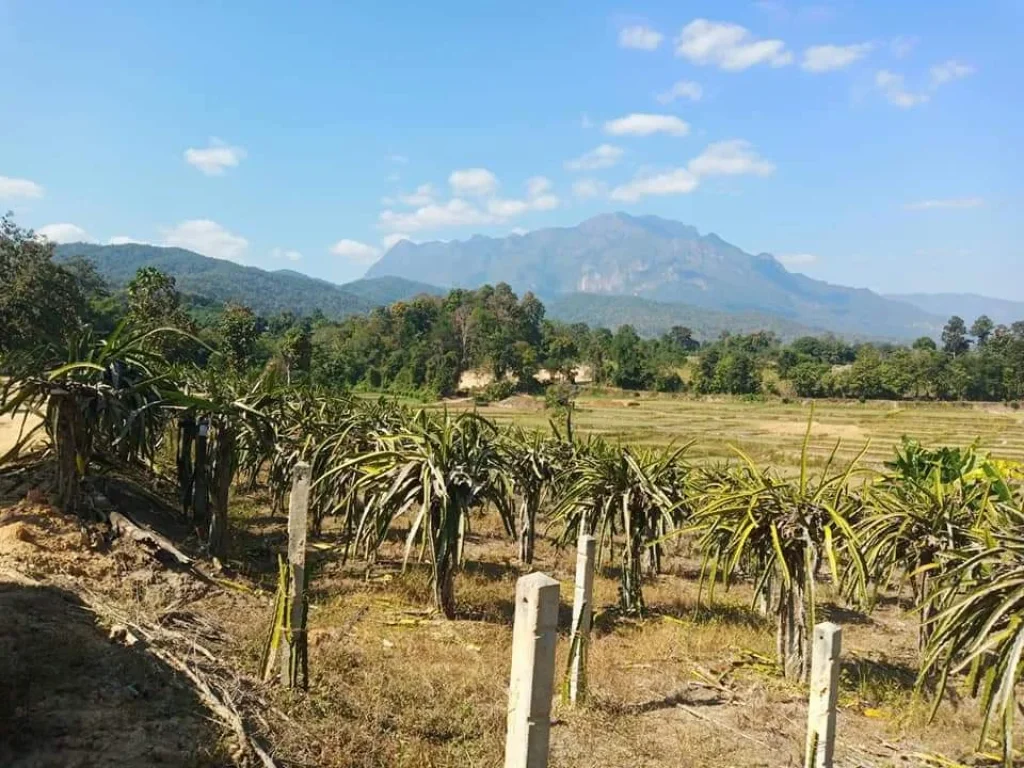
column 772, row 432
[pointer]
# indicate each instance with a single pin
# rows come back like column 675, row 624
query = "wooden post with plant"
column 286, row 648
column 201, row 477
column 223, row 472
column 294, row 661
column 533, row 670
column 582, row 614
column 821, row 710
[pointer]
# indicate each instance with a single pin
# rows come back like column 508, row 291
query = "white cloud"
column 214, row 159
column 728, row 46
column 455, row 213
column 678, row 181
column 948, row 71
column 639, row 124
column 19, row 188
column 63, row 233
column 545, row 203
column 893, row 86
column 355, row 251
column 604, row 156
column 730, row 158
column 684, row 89
column 953, row 203
column 398, row 159
column 509, row 209
column 424, row 195
column 518, row 231
column 537, row 185
column 208, row 238
column 902, row 45
column 285, row 253
column 797, row 259
column 390, row 241
column 474, row 182
column 586, row 189
column 125, row 240
column 640, row 37
column 827, row 58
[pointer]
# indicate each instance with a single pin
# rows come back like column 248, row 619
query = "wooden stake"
column 293, row 645
column 582, row 614
column 201, row 482
column 533, row 672
column 821, row 710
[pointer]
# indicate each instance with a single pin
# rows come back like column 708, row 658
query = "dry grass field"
column 772, row 432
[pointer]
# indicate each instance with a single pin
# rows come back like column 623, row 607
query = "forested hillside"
column 225, row 281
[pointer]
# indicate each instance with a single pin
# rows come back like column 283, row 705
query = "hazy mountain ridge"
column 653, row 318
column 654, row 258
column 266, row 292
column 967, row 305
column 680, row 264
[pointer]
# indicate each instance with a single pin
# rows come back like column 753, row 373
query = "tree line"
column 421, row 347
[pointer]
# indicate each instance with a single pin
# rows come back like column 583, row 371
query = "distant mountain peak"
column 651, row 257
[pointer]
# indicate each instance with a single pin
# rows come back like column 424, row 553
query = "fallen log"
column 125, row 526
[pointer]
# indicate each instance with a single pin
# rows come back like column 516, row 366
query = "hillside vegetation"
column 225, row 281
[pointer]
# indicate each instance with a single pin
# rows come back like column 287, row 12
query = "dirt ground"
column 393, row 685
column 10, row 429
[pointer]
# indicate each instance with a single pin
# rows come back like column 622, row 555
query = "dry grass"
column 772, row 432
column 393, row 685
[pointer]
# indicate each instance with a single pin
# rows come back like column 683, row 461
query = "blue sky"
column 872, row 144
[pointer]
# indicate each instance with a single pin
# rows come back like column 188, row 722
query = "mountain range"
column 613, row 269
column 658, row 259
column 969, row 306
column 267, row 292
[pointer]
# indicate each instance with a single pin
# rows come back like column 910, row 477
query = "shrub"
column 495, row 391
column 560, row 397
column 668, row 381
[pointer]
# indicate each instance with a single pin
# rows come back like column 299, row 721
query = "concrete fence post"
column 533, row 672
column 582, row 614
column 821, row 709
column 293, row 645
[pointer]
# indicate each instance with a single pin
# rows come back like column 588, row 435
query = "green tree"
column 954, row 336
column 925, row 343
column 40, row 301
column 153, row 299
column 736, row 374
column 808, row 379
column 297, row 348
column 631, row 371
column 680, row 339
column 981, row 329
column 239, row 327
